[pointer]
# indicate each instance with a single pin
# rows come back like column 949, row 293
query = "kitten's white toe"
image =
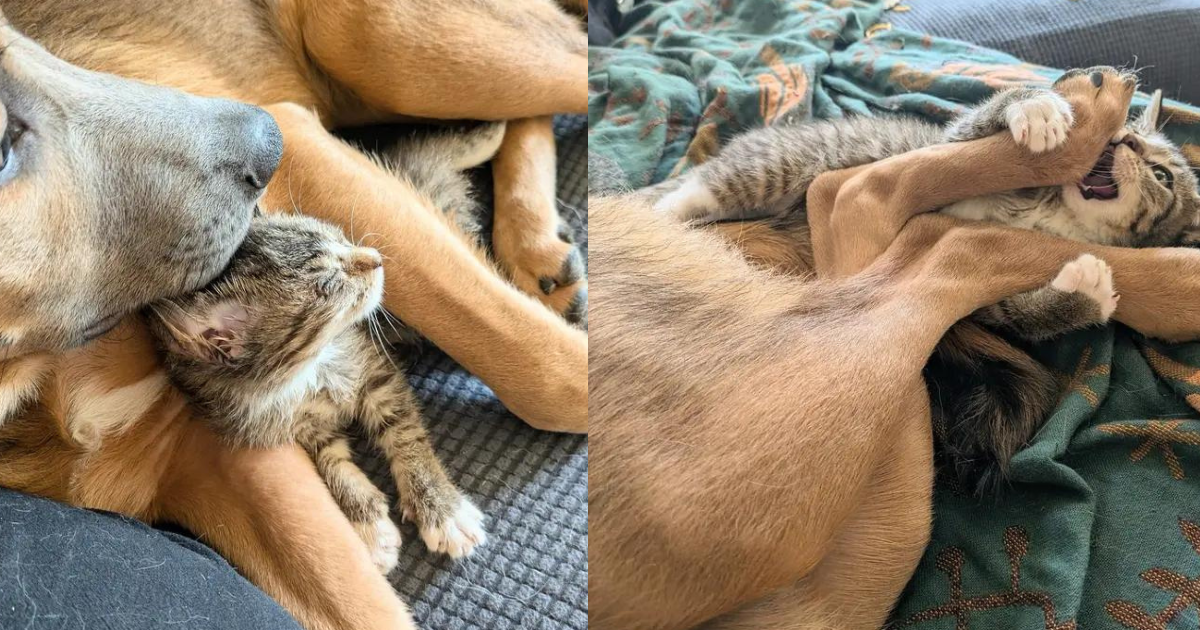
column 459, row 534
column 692, row 201
column 1092, row 277
column 1040, row 123
column 382, row 538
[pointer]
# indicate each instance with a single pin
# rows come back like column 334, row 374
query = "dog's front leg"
column 856, row 214
column 534, row 361
column 531, row 241
column 1159, row 287
column 269, row 513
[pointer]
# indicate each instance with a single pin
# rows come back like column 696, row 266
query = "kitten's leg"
column 365, row 505
column 1081, row 295
column 447, row 520
column 1037, row 118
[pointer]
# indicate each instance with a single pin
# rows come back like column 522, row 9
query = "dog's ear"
column 214, row 332
column 1147, row 122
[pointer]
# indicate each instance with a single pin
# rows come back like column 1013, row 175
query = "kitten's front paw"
column 1091, row 277
column 456, row 533
column 382, row 538
column 692, row 201
column 1040, row 123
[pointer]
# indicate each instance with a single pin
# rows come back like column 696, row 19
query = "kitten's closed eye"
column 328, row 284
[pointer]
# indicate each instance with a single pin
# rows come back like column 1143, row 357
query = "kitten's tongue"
column 1099, row 183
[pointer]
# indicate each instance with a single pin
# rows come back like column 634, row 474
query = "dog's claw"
column 550, row 268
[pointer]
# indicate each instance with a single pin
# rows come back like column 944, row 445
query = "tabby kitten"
column 283, row 347
column 279, row 349
column 989, row 396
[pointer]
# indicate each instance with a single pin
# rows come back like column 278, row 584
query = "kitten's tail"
column 988, row 399
column 457, row 148
column 434, row 162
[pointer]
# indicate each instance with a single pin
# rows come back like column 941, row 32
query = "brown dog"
column 96, row 424
column 762, row 452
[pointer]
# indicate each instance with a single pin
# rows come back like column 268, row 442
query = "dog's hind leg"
column 873, row 557
column 447, row 59
column 534, row 361
column 532, row 243
column 269, row 513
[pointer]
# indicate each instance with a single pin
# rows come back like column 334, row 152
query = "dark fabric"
column 1160, row 37
column 63, row 568
column 603, row 20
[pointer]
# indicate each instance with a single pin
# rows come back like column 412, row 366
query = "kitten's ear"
column 216, row 332
column 1147, row 122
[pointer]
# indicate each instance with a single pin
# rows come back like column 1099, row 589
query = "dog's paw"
column 382, row 538
column 1092, row 277
column 456, row 533
column 1040, row 123
column 691, row 201
column 547, row 265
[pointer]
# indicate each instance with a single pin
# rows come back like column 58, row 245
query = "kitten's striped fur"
column 289, row 344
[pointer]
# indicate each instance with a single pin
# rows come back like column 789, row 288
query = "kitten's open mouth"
column 1099, row 183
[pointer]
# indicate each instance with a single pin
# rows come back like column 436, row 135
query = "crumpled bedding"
column 1101, row 526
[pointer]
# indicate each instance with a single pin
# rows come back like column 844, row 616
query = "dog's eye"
column 5, row 150
column 1163, row 175
column 11, row 135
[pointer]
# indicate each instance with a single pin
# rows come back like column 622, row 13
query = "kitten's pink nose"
column 363, row 260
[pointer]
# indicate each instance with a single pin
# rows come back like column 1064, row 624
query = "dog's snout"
column 264, row 148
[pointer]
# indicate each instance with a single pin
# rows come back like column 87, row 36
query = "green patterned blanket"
column 1101, row 528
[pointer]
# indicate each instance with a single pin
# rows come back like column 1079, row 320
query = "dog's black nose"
column 264, row 148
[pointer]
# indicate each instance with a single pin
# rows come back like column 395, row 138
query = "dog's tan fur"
column 762, row 456
column 315, row 64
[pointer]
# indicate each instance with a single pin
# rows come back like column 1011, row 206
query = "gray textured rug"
column 532, row 573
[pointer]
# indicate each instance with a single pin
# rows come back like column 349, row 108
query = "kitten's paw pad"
column 692, row 201
column 1040, row 123
column 382, row 538
column 1091, row 277
column 456, row 534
